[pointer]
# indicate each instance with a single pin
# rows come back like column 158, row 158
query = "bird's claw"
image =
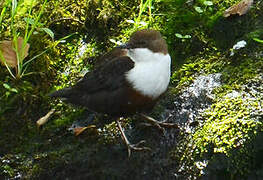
column 159, row 124
column 153, row 124
column 136, row 147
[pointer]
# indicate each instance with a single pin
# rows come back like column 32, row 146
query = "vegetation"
column 65, row 38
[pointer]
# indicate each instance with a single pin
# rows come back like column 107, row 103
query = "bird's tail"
column 63, row 93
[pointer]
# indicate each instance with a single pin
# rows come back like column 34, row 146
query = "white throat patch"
column 151, row 73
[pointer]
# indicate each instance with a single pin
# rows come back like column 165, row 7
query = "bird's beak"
column 124, row 46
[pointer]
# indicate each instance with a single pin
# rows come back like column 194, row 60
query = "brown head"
column 146, row 38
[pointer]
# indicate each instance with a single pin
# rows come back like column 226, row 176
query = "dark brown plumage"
column 102, row 90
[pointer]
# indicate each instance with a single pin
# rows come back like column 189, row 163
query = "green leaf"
column 14, row 6
column 179, row 35
column 130, row 21
column 14, row 90
column 208, row 3
column 187, row 36
column 198, row 9
column 182, row 36
column 258, row 40
column 48, row 31
column 29, row 20
column 6, row 86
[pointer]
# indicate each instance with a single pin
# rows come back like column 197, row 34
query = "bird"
column 127, row 80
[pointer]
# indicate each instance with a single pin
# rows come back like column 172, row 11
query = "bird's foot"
column 136, row 147
column 159, row 124
column 131, row 147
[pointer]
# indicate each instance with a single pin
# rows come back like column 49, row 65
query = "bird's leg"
column 159, row 124
column 130, row 146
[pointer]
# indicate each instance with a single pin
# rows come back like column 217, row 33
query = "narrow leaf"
column 14, row 6
column 6, row 86
column 258, row 40
column 48, row 31
column 14, row 90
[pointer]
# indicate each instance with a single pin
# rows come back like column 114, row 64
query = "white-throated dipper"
column 129, row 80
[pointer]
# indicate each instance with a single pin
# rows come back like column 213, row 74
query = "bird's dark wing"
column 108, row 76
column 114, row 53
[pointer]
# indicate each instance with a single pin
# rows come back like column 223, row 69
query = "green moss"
column 229, row 125
column 229, row 129
column 14, row 165
column 235, row 72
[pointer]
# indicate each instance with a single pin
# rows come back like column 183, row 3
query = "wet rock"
column 194, row 100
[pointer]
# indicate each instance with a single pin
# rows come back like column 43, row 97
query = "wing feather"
column 108, row 76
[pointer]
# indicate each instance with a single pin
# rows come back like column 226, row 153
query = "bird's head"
column 145, row 40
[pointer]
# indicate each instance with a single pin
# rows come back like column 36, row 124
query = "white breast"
column 151, row 73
